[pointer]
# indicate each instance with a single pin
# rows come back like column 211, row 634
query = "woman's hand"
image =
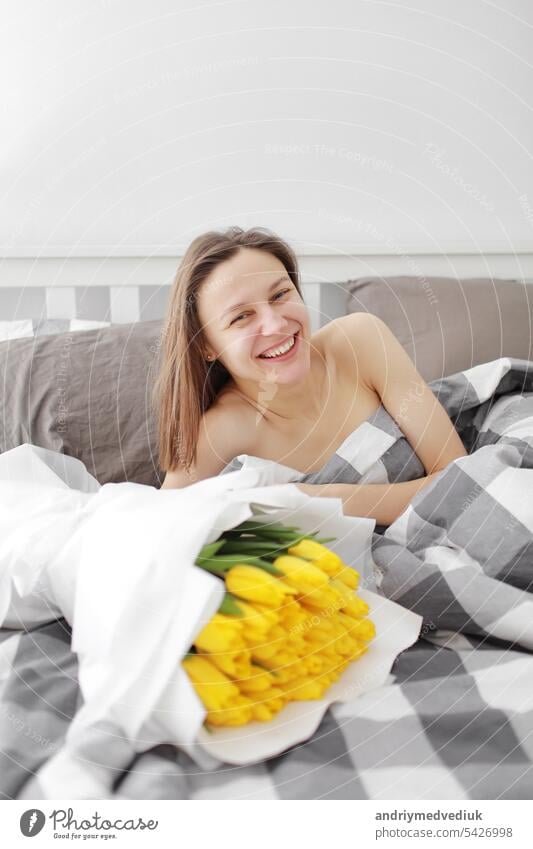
column 383, row 502
column 315, row 489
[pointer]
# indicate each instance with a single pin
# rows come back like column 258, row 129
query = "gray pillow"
column 86, row 394
column 447, row 325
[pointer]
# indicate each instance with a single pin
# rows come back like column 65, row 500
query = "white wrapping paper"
column 117, row 562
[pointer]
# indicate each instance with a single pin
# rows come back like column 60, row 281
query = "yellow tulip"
column 301, row 574
column 339, row 629
column 283, row 664
column 287, row 673
column 264, row 654
column 324, row 625
column 301, row 689
column 347, row 622
column 239, row 713
column 361, row 629
column 349, row 577
column 353, row 605
column 293, row 615
column 254, row 584
column 318, row 641
column 262, row 713
column 323, row 598
column 257, row 622
column 321, row 556
column 345, row 645
column 346, row 593
column 236, row 665
column 274, row 699
column 295, row 642
column 258, row 615
column 258, row 681
column 285, row 657
column 313, row 664
column 215, row 689
column 331, row 659
column 270, row 647
column 325, row 679
column 221, row 634
column 364, row 630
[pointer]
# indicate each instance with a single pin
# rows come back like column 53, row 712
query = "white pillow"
column 21, row 328
column 16, row 329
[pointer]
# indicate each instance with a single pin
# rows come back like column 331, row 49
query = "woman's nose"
column 271, row 320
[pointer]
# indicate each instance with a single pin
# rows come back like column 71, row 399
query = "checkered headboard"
column 116, row 304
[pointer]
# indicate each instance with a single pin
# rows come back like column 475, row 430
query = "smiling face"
column 248, row 308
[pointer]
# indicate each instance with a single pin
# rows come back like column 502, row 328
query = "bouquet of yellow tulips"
column 289, row 624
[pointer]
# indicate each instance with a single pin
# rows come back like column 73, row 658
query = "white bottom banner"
column 231, row 825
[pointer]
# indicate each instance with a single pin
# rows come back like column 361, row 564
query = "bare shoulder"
column 225, row 429
column 228, row 422
column 350, row 331
column 350, row 340
column 222, row 435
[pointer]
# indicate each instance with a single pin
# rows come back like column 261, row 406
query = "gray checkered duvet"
column 455, row 719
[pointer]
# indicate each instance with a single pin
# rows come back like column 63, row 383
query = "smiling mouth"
column 281, row 350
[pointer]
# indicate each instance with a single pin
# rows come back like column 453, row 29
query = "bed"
column 455, row 718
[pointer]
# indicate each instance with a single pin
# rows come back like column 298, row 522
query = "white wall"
column 131, row 125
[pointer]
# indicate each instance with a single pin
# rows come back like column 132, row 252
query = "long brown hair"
column 187, row 385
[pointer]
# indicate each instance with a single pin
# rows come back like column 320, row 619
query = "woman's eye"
column 275, row 298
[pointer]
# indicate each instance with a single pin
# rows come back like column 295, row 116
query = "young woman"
column 241, row 373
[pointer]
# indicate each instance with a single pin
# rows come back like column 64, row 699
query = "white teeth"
column 282, row 350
